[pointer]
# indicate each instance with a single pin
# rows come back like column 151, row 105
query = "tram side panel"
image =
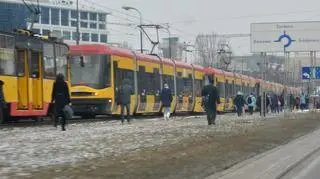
column 123, row 69
column 184, row 89
column 198, row 85
column 149, row 87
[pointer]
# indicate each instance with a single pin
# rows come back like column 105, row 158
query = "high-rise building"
column 58, row 17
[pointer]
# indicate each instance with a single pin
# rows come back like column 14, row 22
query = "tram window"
column 180, row 84
column 48, row 61
column 35, row 64
column 198, row 87
column 20, row 63
column 142, row 83
column 7, row 60
column 121, row 74
column 188, row 87
column 156, row 80
column 95, row 73
column 221, row 89
column 151, row 89
column 227, row 88
column 61, row 59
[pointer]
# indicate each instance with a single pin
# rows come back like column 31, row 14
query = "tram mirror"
column 81, row 61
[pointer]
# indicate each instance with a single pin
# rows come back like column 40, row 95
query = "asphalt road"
column 299, row 159
column 307, row 169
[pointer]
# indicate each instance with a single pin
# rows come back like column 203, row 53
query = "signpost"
column 287, row 37
column 291, row 36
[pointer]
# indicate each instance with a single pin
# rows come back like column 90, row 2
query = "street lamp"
column 78, row 31
column 132, row 8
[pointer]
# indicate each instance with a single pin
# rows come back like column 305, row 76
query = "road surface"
column 292, row 160
column 309, row 168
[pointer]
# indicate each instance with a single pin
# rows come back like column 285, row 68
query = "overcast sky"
column 188, row 18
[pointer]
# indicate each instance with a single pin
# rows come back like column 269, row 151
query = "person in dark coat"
column 210, row 98
column 281, row 99
column 166, row 99
column 2, row 102
column 239, row 102
column 61, row 97
column 268, row 103
column 274, row 103
column 292, row 102
column 124, row 99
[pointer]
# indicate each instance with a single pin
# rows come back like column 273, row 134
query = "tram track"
column 48, row 120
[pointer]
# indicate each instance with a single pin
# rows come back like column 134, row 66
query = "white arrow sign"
column 306, row 75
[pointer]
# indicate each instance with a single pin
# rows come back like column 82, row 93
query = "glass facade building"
column 57, row 19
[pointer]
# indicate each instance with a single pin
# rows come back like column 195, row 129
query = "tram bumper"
column 91, row 106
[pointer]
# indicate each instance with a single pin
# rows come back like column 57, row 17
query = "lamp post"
column 132, row 8
column 78, row 33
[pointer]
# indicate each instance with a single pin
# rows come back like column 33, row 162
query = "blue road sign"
column 306, row 73
column 309, row 73
column 317, row 72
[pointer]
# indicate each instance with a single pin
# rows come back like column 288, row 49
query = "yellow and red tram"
column 97, row 71
column 28, row 67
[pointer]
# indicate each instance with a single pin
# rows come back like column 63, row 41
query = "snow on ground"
column 32, row 147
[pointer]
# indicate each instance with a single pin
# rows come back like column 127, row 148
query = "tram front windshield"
column 92, row 70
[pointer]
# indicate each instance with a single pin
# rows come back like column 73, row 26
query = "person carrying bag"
column 61, row 97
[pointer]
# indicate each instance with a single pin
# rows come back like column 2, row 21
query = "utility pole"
column 78, row 30
column 141, row 21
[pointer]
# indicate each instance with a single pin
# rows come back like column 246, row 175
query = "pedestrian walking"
column 302, row 101
column 297, row 103
column 251, row 103
column 166, row 99
column 281, row 100
column 61, row 98
column 274, row 103
column 2, row 103
column 268, row 103
column 292, row 102
column 239, row 103
column 210, row 99
column 124, row 99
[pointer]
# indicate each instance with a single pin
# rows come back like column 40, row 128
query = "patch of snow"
column 33, row 147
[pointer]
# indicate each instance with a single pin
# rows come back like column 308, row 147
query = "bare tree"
column 206, row 48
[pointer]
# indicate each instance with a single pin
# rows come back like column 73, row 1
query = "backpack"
column 249, row 100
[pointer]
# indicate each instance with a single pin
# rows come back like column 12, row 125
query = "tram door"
column 116, row 82
column 36, row 79
column 23, row 79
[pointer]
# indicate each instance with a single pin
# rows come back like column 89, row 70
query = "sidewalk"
column 272, row 164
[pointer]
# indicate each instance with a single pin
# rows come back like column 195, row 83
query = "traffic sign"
column 309, row 73
column 306, row 72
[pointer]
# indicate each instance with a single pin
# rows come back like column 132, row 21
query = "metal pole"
column 261, row 86
column 170, row 55
column 78, row 33
column 263, row 96
column 141, row 21
column 141, row 38
column 242, row 61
